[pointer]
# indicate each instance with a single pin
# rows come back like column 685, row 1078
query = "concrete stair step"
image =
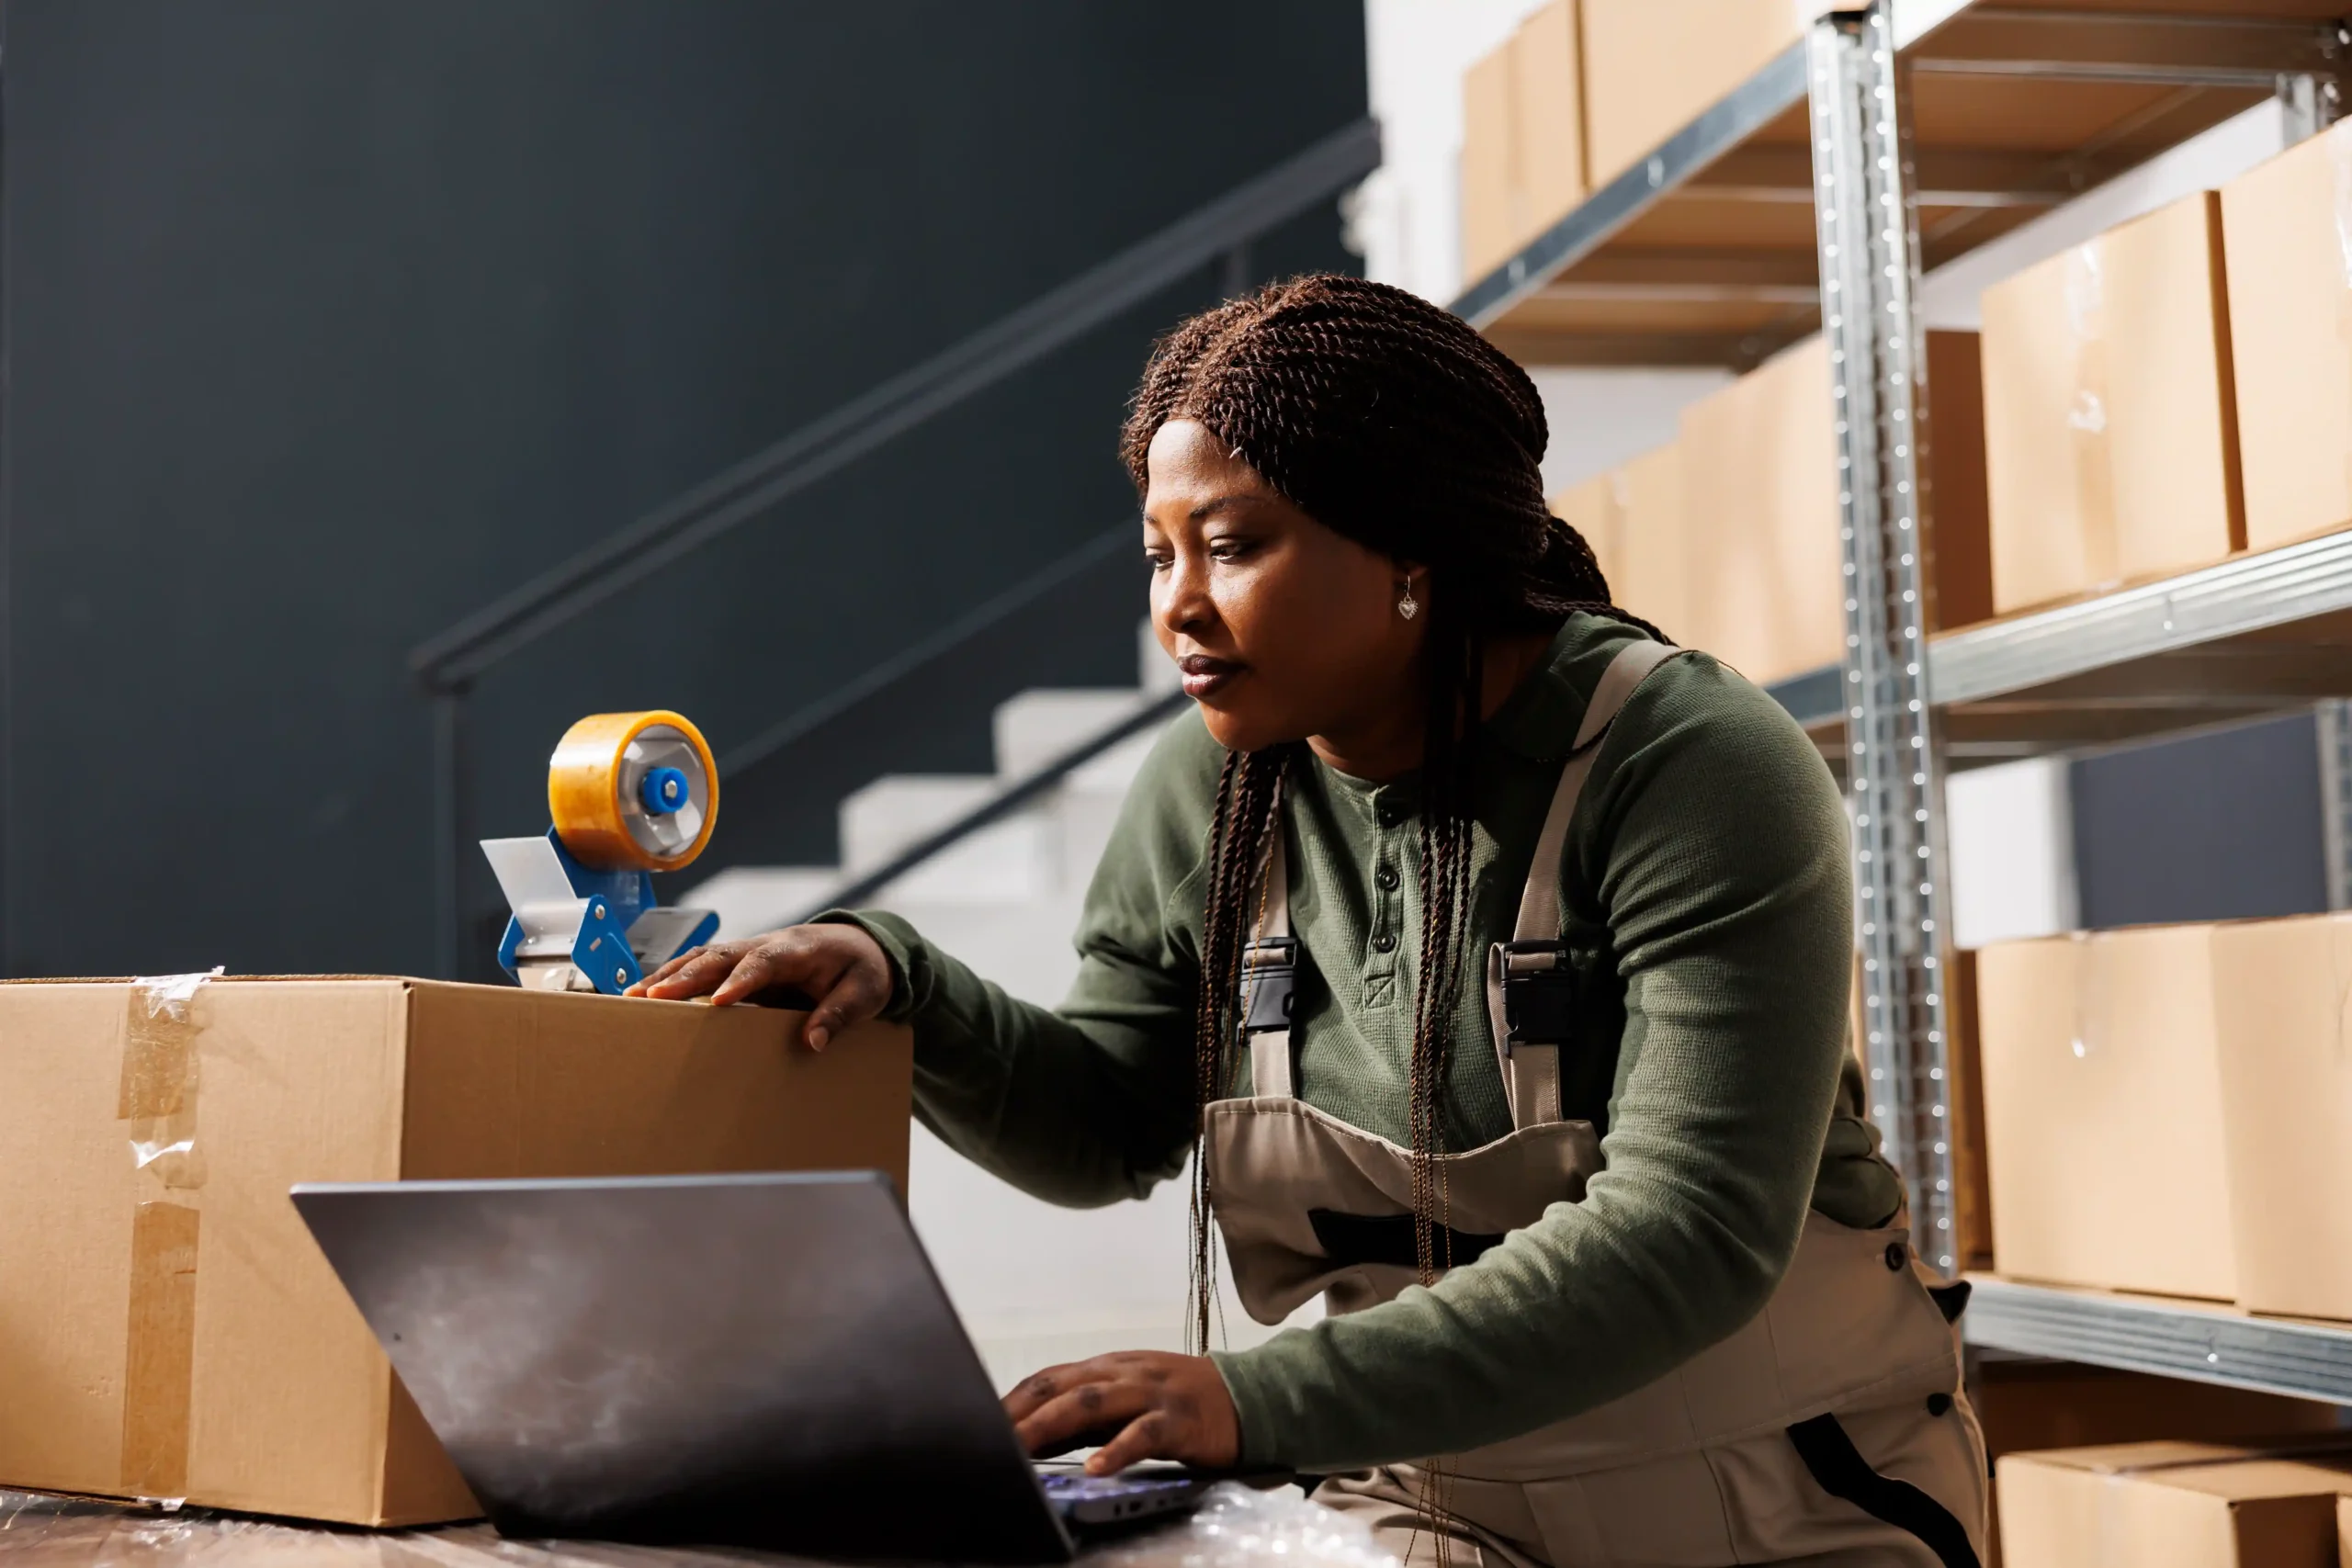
column 1035, row 727
column 751, row 899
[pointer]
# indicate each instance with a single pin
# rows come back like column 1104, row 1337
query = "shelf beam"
column 1751, row 106
column 2159, row 49
column 2308, row 582
column 2170, row 1339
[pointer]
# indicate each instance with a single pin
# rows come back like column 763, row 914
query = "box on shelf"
column 1767, row 595
column 1488, row 226
column 2169, row 1504
column 167, row 1327
column 2287, row 229
column 1971, row 1179
column 1596, row 510
column 1653, row 575
column 1768, row 588
column 1522, row 139
column 1652, row 66
column 2280, row 991
column 2110, row 422
column 2101, row 1072
column 2029, row 1405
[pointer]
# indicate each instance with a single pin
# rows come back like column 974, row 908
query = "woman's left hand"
column 1162, row 1407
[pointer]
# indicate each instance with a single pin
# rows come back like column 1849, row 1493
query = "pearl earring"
column 1408, row 606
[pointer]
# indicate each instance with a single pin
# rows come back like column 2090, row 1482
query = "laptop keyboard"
column 1066, row 1486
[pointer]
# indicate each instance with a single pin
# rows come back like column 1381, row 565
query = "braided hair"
column 1392, row 423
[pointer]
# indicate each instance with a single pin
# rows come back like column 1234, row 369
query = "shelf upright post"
column 1869, row 236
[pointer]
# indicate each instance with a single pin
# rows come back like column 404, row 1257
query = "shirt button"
column 1390, row 815
column 1384, row 943
column 1385, row 878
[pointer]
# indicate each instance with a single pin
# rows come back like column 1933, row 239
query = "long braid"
column 1393, row 423
column 1240, row 833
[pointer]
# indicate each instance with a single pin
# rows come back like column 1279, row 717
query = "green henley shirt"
column 1707, row 909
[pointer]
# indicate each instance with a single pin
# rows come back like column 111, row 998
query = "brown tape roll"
column 589, row 793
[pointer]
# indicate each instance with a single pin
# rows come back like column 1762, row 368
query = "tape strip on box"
column 159, row 1350
column 158, row 1099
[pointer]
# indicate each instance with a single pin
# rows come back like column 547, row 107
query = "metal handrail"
column 803, row 722
column 1008, row 799
column 460, row 654
column 448, row 665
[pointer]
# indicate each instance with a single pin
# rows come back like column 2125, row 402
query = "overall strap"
column 1530, row 994
column 1268, row 978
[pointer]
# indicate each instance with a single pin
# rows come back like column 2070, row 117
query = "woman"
column 1495, row 954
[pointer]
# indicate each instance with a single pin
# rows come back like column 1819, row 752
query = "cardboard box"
column 1971, row 1166
column 1768, row 593
column 1653, row 579
column 2031, row 1404
column 1522, row 139
column 1596, row 510
column 2110, row 422
column 2028, row 1404
column 168, row 1328
column 2101, row 1074
column 1761, row 493
column 1489, row 225
column 2174, row 1505
column 1652, row 66
column 2287, row 227
column 2280, row 990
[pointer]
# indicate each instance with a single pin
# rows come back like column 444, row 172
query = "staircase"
column 1034, row 1284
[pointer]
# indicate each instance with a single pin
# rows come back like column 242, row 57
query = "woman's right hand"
column 842, row 967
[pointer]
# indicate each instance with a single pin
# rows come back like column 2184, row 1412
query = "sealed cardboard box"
column 1768, row 595
column 2174, row 1505
column 1652, row 66
column 1971, row 1179
column 2101, row 1071
column 1522, row 139
column 1489, row 226
column 1547, row 82
column 2280, row 990
column 2110, row 422
column 1596, row 510
column 1653, row 576
column 2030, row 1404
column 167, row 1327
column 2287, row 229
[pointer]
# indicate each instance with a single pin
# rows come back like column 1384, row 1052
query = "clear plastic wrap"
column 1236, row 1527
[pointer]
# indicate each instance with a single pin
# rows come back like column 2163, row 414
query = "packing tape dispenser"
column 631, row 793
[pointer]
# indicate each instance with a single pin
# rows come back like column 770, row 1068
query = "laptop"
column 763, row 1361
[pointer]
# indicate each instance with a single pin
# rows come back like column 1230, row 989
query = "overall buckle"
column 1269, row 974
column 1539, row 992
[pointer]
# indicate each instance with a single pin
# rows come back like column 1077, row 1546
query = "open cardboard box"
column 167, row 1327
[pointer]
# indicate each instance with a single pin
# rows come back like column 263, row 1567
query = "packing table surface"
column 1235, row 1528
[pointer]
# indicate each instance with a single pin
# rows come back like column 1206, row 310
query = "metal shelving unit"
column 2176, row 1339
column 1896, row 137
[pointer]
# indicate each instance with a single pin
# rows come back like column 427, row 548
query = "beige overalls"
column 1830, row 1429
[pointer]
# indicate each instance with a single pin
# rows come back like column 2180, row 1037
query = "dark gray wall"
column 2215, row 826
column 330, row 319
